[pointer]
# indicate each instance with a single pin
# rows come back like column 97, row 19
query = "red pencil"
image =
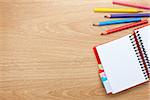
column 131, row 5
column 124, row 27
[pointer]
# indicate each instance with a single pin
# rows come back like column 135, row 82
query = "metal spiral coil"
column 138, row 53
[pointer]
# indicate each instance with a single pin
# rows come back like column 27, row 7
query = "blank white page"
column 120, row 64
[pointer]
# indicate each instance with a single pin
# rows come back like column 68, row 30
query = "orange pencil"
column 124, row 27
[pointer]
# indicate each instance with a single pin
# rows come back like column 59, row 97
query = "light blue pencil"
column 111, row 22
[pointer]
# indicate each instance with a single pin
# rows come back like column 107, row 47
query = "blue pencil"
column 111, row 22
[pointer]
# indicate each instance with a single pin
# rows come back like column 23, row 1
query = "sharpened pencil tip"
column 140, row 11
column 107, row 16
column 95, row 25
column 103, row 33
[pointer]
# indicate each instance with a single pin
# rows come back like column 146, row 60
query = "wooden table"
column 46, row 51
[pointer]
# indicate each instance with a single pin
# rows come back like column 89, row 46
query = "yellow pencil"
column 117, row 10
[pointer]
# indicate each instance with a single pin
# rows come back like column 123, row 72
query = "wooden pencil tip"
column 104, row 33
column 107, row 16
column 95, row 25
column 140, row 11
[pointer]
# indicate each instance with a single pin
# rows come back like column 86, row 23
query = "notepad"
column 124, row 63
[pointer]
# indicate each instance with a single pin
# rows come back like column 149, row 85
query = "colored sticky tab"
column 104, row 79
column 102, row 74
column 100, row 66
column 100, row 71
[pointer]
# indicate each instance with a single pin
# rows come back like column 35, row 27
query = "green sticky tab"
column 100, row 66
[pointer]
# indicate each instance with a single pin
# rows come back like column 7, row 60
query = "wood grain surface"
column 46, row 51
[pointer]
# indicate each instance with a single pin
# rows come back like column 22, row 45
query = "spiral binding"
column 138, row 54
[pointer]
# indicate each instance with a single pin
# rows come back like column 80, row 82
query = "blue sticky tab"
column 104, row 79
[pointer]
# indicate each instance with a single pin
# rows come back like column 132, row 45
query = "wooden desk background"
column 46, row 51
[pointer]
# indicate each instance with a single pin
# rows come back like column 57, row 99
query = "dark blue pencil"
column 128, row 15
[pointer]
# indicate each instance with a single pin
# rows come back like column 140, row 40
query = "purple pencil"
column 127, row 15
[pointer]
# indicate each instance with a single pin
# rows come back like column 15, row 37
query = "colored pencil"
column 111, row 22
column 117, row 10
column 127, row 15
column 131, row 5
column 124, row 27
